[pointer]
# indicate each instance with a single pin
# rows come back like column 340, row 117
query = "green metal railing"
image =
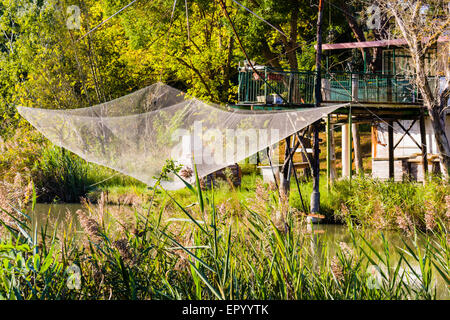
column 366, row 87
column 296, row 87
column 280, row 87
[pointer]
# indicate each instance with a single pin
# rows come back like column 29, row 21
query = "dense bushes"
column 57, row 174
column 19, row 153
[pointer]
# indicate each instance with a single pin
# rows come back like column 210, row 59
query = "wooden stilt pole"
column 391, row 149
column 345, row 150
column 423, row 140
column 357, row 150
column 332, row 154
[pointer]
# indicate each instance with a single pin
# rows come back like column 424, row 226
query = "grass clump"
column 392, row 205
column 62, row 175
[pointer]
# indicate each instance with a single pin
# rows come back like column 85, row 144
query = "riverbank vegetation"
column 392, row 205
column 166, row 250
column 61, row 176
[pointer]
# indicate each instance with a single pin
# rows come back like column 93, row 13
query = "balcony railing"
column 283, row 87
column 280, row 87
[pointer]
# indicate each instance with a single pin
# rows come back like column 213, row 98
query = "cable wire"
column 104, row 21
column 260, row 18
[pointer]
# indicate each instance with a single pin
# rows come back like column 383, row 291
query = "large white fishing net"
column 137, row 133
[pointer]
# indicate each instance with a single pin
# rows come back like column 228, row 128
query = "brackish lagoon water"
column 326, row 235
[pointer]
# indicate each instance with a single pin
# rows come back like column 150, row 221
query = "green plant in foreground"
column 199, row 252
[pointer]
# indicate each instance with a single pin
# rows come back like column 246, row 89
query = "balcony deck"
column 280, row 89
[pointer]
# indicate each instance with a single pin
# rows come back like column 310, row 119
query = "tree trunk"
column 353, row 24
column 227, row 70
column 375, row 59
column 346, row 151
column 442, row 142
column 436, row 111
column 292, row 43
column 269, row 56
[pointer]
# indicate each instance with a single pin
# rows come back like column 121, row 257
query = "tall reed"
column 200, row 252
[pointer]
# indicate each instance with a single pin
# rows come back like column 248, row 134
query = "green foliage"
column 208, row 256
column 388, row 205
column 19, row 153
column 62, row 175
column 26, row 275
column 28, row 270
column 44, row 64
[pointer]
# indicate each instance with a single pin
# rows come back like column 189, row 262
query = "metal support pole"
column 239, row 83
column 378, row 88
column 328, row 152
column 265, row 85
column 247, row 81
column 315, row 195
column 350, row 143
column 365, row 61
column 394, row 76
column 394, row 67
column 287, row 169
